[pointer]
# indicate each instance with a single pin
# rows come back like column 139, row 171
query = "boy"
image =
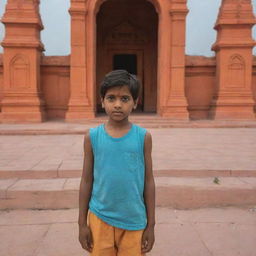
column 117, row 189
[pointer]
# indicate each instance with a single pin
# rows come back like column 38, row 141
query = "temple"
column 146, row 37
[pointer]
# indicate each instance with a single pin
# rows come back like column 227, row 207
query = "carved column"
column 175, row 104
column 22, row 97
column 234, row 98
column 80, row 103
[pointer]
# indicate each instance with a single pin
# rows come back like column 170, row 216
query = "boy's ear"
column 135, row 104
column 102, row 102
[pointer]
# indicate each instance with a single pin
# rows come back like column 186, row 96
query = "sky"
column 200, row 35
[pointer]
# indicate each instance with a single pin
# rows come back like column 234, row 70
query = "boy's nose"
column 117, row 104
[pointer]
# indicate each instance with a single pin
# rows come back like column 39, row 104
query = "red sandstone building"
column 146, row 37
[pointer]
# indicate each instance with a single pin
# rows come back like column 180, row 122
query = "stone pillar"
column 80, row 104
column 163, row 65
column 175, row 104
column 22, row 96
column 234, row 98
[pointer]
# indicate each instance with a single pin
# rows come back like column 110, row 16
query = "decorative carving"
column 236, row 72
column 126, row 33
column 19, row 67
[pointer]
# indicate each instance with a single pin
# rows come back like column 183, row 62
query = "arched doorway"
column 127, row 36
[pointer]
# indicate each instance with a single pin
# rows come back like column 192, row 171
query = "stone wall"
column 199, row 84
column 55, row 82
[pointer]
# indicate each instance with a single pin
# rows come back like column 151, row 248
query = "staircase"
column 193, row 168
column 45, row 192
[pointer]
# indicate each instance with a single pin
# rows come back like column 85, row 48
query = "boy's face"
column 118, row 103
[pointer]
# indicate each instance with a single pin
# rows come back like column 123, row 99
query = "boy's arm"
column 148, row 237
column 86, row 184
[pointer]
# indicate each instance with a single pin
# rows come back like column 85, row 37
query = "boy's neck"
column 118, row 129
column 118, row 124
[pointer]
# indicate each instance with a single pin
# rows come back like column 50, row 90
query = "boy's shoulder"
column 143, row 133
column 140, row 128
column 96, row 128
column 92, row 131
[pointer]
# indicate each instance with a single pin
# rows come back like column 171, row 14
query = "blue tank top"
column 119, row 172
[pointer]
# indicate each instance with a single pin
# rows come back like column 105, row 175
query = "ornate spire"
column 236, row 12
column 22, row 15
column 22, row 97
column 234, row 61
column 22, row 11
column 234, row 24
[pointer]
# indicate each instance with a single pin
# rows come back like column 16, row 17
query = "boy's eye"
column 125, row 98
column 110, row 97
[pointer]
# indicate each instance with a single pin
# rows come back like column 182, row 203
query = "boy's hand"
column 148, row 239
column 85, row 238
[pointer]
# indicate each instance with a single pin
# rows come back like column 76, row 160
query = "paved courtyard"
column 202, row 232
column 209, row 231
column 173, row 148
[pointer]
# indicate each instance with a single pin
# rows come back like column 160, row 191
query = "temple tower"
column 233, row 98
column 22, row 96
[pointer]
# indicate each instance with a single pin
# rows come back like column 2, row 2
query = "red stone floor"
column 200, row 232
column 186, row 160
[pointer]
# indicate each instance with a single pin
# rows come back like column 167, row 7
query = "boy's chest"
column 122, row 160
column 118, row 148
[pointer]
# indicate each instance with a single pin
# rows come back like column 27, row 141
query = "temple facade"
column 145, row 37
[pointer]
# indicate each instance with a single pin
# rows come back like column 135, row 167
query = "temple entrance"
column 128, row 40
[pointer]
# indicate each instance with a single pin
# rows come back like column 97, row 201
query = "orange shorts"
column 112, row 241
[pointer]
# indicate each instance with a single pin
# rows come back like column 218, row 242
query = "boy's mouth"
column 117, row 112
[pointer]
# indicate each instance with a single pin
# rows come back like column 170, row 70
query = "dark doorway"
column 128, row 40
column 127, row 62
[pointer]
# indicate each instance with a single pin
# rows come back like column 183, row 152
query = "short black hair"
column 120, row 77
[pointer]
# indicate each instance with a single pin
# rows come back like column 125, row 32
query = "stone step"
column 175, row 192
column 60, row 127
column 75, row 173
